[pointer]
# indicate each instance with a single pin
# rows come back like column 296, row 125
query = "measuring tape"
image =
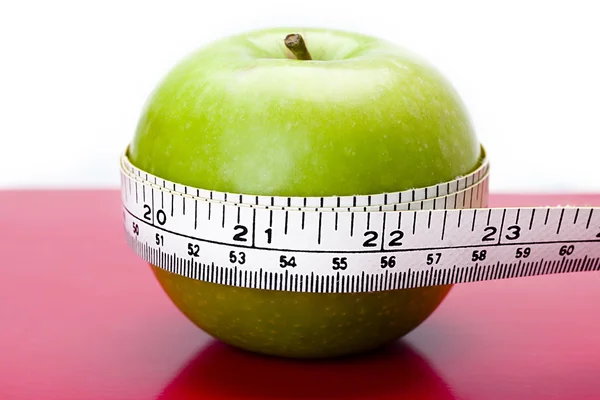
column 439, row 235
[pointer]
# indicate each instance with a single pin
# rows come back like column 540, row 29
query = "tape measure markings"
column 271, row 244
column 476, row 189
column 348, row 283
column 490, row 228
column 275, row 217
column 358, row 201
column 369, row 216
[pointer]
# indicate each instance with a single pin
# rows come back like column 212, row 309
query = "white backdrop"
column 75, row 74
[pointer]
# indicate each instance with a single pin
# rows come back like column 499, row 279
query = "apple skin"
column 364, row 116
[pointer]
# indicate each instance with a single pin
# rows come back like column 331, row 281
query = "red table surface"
column 82, row 317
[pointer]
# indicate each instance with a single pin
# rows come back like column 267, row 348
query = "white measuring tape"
column 443, row 234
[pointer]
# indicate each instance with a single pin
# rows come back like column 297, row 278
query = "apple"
column 326, row 112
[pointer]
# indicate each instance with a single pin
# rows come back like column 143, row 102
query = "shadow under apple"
column 220, row 371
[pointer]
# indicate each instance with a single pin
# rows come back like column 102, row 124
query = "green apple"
column 361, row 116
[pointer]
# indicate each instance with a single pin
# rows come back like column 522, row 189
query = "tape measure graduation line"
column 442, row 234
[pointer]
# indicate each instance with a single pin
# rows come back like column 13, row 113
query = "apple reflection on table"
column 220, row 371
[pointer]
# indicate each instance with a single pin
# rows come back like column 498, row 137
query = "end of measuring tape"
column 439, row 235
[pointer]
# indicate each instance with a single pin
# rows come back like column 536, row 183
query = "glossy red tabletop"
column 81, row 317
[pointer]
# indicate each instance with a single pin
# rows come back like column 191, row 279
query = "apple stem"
column 295, row 42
